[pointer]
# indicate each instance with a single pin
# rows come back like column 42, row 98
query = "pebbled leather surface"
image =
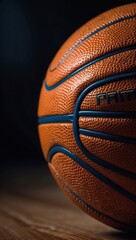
column 125, row 127
column 76, row 51
column 113, row 152
column 93, row 191
column 88, row 208
column 68, row 91
column 101, row 48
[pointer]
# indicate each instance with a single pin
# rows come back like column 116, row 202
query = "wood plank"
column 32, row 207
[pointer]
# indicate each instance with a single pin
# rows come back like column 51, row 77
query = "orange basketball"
column 87, row 117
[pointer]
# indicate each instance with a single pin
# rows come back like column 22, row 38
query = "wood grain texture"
column 32, row 207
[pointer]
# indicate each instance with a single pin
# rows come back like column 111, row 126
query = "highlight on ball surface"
column 87, row 117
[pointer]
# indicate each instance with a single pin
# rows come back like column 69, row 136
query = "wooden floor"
column 32, row 207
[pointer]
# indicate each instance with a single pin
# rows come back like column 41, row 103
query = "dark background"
column 30, row 34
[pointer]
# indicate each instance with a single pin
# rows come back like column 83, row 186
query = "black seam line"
column 107, row 136
column 107, row 55
column 106, row 114
column 64, row 118
column 94, row 210
column 92, row 34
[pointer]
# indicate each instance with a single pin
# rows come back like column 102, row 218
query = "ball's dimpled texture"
column 87, row 117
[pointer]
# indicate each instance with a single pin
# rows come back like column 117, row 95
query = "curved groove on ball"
column 65, row 118
column 107, row 136
column 48, row 88
column 94, row 210
column 90, row 35
column 92, row 170
column 105, row 114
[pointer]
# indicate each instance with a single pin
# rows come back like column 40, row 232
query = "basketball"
column 87, row 117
